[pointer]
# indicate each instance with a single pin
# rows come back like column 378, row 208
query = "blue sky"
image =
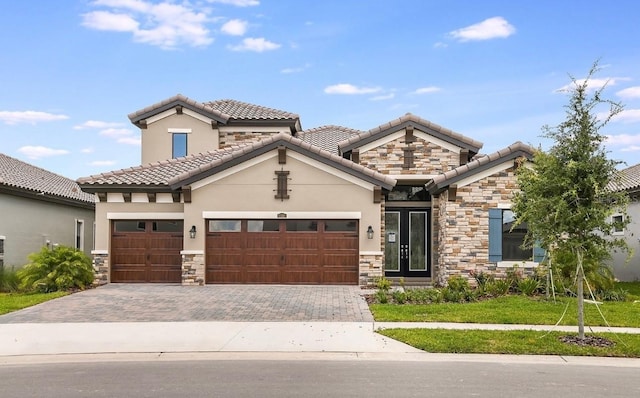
column 71, row 70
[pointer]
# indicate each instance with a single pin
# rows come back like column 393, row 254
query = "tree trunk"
column 580, row 293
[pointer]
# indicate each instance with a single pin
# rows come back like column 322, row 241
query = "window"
column 224, row 226
column 263, row 225
column 79, row 234
column 505, row 242
column 340, row 226
column 408, row 193
column 617, row 221
column 179, row 145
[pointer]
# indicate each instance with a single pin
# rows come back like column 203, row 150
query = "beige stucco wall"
column 314, row 189
column 157, row 141
column 144, row 211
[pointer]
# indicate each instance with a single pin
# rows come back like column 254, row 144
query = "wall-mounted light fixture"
column 370, row 232
column 192, row 232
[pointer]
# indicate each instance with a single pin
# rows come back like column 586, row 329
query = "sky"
column 493, row 70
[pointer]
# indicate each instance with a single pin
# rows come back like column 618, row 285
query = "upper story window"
column 179, row 148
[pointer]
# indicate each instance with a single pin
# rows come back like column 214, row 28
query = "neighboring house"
column 230, row 192
column 40, row 208
column 626, row 269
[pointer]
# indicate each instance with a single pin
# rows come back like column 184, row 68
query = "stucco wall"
column 157, row 141
column 27, row 224
column 629, row 270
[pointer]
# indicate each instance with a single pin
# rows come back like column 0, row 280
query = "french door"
column 407, row 243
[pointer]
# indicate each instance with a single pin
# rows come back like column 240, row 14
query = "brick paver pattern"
column 175, row 303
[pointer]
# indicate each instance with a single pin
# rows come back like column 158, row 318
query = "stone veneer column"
column 193, row 268
column 371, row 267
column 100, row 265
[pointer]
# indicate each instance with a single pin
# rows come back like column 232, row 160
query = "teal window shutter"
column 538, row 252
column 495, row 235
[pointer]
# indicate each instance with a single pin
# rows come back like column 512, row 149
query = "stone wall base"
column 371, row 267
column 193, row 270
column 100, row 269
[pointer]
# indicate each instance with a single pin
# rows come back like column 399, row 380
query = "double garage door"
column 240, row 251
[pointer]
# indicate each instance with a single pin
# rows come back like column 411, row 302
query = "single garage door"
column 282, row 251
column 146, row 251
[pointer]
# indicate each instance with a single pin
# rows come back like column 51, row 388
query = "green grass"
column 632, row 287
column 510, row 310
column 16, row 301
column 520, row 342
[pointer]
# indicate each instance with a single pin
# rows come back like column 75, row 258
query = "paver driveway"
column 175, row 303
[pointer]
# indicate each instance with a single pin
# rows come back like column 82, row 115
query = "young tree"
column 566, row 196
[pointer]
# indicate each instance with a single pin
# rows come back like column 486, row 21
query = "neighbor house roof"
column 174, row 173
column 413, row 121
column 328, row 137
column 223, row 111
column 20, row 178
column 629, row 179
column 512, row 152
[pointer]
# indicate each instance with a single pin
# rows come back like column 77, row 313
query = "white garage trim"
column 145, row 216
column 325, row 215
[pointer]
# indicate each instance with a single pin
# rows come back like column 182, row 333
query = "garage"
column 281, row 251
column 146, row 251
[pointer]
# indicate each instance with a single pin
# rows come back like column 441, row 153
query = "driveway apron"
column 176, row 303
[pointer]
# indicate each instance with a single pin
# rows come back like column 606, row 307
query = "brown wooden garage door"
column 146, row 251
column 282, row 251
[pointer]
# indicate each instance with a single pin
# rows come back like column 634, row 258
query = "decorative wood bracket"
column 186, row 194
column 151, row 196
column 282, row 155
column 453, row 191
column 377, row 194
column 127, row 197
column 102, row 196
column 355, row 156
column 179, row 109
column 175, row 196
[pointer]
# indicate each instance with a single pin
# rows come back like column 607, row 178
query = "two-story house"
column 230, row 192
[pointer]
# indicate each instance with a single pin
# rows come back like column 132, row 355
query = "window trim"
column 78, row 241
column 495, row 243
column 173, row 144
column 615, row 231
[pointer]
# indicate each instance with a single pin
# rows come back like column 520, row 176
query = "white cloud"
column 129, row 141
column 631, row 92
column 626, row 140
column 101, row 163
column 627, row 116
column 32, row 117
column 592, row 84
column 37, row 152
column 492, row 28
column 96, row 124
column 383, row 97
column 349, row 89
column 87, row 150
column 165, row 24
column 440, row 45
column 234, row 27
column 259, row 45
column 237, row 3
column 116, row 133
column 426, row 90
column 295, row 70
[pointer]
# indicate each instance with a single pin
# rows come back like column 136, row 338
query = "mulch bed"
column 588, row 341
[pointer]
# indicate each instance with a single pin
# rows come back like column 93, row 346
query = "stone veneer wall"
column 463, row 227
column 370, row 268
column 193, row 269
column 100, row 269
column 428, row 158
column 229, row 139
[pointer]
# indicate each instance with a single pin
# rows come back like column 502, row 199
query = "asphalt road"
column 315, row 378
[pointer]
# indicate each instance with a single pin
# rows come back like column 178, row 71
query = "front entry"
column 407, row 243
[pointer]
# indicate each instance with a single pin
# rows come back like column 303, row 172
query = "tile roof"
column 221, row 110
column 629, row 179
column 244, row 111
column 328, row 137
column 513, row 151
column 183, row 171
column 16, row 174
column 410, row 119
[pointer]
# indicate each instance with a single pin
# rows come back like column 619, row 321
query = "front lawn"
column 16, row 301
column 511, row 310
column 519, row 342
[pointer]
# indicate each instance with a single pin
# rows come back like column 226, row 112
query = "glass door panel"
column 392, row 241
column 417, row 241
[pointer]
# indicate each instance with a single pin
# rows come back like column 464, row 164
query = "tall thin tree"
column 566, row 195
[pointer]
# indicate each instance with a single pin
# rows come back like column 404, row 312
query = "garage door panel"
column 304, row 255
column 140, row 253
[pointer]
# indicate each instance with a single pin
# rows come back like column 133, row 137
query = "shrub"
column 528, row 286
column 61, row 268
column 383, row 284
column 424, row 295
column 381, row 297
column 9, row 281
column 458, row 283
column 399, row 297
column 612, row 294
column 481, row 278
column 497, row 287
